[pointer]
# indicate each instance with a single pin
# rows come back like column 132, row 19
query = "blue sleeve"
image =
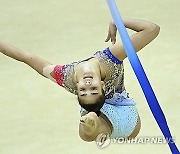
column 111, row 56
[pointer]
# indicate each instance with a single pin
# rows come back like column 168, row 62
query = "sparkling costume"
column 118, row 107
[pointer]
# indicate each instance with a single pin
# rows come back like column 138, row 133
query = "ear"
column 75, row 78
column 103, row 85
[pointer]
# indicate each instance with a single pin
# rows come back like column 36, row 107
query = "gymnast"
column 98, row 82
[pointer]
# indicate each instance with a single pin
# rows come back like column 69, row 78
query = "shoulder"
column 63, row 74
column 68, row 78
column 108, row 56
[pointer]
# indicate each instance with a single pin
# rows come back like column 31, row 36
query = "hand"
column 112, row 33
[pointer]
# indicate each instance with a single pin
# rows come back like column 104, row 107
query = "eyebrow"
column 91, row 93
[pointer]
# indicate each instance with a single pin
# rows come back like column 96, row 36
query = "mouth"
column 88, row 76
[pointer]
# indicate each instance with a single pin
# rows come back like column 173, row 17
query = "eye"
column 94, row 93
column 94, row 88
column 82, row 89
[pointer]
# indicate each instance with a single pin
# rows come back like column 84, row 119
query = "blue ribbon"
column 141, row 76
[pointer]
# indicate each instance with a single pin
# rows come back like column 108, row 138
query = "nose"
column 88, row 82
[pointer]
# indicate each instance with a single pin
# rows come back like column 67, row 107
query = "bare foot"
column 88, row 122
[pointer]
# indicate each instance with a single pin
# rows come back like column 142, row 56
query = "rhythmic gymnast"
column 98, row 82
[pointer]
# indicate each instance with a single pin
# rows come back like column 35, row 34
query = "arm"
column 146, row 32
column 32, row 60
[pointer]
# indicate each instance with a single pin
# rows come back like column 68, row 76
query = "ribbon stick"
column 141, row 76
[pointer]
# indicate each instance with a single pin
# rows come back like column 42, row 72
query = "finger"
column 113, row 41
column 108, row 37
column 113, row 38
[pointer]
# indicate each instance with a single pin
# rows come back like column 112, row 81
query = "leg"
column 136, row 130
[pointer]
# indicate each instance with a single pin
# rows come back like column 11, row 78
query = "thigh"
column 136, row 130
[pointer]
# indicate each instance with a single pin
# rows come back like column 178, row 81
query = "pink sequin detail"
column 58, row 74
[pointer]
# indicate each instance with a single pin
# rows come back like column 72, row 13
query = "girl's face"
column 89, row 88
column 88, row 81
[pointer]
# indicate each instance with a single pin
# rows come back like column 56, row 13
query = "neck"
column 91, row 66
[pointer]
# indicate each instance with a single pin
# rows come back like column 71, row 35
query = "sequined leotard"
column 114, row 70
column 118, row 107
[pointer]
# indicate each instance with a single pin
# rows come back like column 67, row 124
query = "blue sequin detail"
column 122, row 113
column 111, row 56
